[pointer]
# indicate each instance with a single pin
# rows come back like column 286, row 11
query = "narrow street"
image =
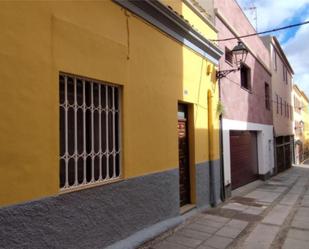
column 273, row 215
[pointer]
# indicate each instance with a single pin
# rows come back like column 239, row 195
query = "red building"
column 245, row 95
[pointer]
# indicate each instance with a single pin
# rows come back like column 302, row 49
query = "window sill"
column 229, row 63
column 246, row 89
column 88, row 186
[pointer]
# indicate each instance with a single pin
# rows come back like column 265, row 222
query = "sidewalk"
column 274, row 215
column 306, row 162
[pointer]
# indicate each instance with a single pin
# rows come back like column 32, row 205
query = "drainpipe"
column 210, row 146
column 222, row 190
column 212, row 174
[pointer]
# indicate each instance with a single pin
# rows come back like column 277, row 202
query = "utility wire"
column 264, row 32
column 261, row 97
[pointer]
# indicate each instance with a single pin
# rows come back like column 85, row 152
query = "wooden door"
column 244, row 160
column 280, row 158
column 183, row 147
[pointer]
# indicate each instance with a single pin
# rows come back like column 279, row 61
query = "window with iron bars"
column 89, row 132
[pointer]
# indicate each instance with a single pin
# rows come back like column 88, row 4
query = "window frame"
column 267, row 96
column 248, row 77
column 226, row 57
column 103, row 109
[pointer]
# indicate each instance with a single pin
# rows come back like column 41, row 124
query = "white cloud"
column 302, row 80
column 273, row 13
column 297, row 51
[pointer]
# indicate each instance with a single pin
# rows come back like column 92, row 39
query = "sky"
column 295, row 42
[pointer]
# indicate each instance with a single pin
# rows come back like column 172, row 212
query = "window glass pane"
column 71, row 129
column 88, row 94
column 228, row 55
column 110, row 131
column 117, row 131
column 96, row 168
column 116, row 97
column 62, row 173
column 71, row 171
column 110, row 97
column 88, row 132
column 111, row 166
column 80, row 131
column 62, row 131
column 103, row 96
column 103, row 131
column 79, row 89
column 70, row 90
column 88, row 169
column 61, row 89
column 96, row 135
column 104, row 166
column 117, row 165
column 80, row 170
column 245, row 77
column 95, row 94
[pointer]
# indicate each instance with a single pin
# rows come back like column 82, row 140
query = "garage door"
column 244, row 160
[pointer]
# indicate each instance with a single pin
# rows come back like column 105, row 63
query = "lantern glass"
column 240, row 53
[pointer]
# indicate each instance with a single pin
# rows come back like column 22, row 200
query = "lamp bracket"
column 223, row 73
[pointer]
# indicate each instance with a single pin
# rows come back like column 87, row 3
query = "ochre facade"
column 98, row 40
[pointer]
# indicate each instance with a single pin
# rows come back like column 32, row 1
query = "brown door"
column 284, row 152
column 244, row 161
column 280, row 158
column 184, row 172
column 287, row 156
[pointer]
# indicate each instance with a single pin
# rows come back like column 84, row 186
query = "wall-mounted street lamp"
column 239, row 53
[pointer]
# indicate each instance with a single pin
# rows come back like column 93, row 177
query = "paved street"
column 273, row 215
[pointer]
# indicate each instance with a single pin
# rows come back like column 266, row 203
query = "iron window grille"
column 89, row 132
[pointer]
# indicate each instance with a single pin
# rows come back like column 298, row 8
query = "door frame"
column 191, row 147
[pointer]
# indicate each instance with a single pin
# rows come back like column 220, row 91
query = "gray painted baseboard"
column 202, row 184
column 119, row 215
column 92, row 218
column 216, row 179
column 208, row 185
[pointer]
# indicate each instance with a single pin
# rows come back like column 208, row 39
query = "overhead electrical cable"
column 263, row 32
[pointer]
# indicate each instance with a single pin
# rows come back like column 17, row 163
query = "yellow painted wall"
column 305, row 118
column 98, row 40
column 194, row 20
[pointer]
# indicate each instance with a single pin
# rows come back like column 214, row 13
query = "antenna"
column 253, row 12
